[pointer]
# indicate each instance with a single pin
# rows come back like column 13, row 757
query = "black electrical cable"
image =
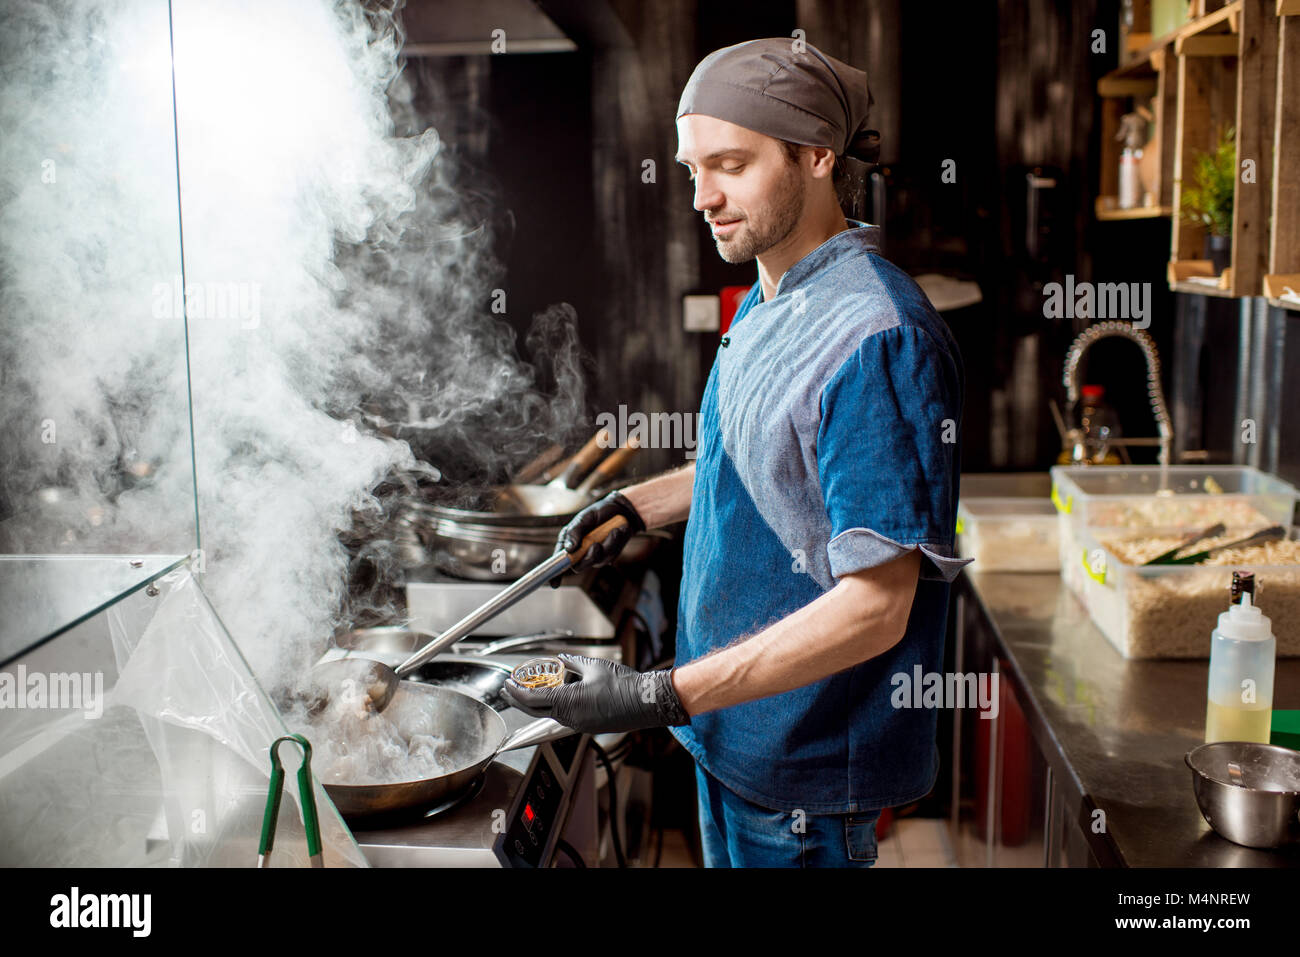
column 603, row 758
column 567, row 848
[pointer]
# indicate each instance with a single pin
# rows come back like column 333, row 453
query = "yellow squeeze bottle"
column 1242, row 656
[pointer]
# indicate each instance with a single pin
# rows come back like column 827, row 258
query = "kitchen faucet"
column 1073, row 437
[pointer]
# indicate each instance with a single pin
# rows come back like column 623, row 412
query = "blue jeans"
column 736, row 833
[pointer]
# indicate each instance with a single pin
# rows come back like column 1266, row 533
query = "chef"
column 821, row 504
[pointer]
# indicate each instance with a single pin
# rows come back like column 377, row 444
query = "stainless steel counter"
column 1113, row 731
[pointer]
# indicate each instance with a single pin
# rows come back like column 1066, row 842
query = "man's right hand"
column 606, row 550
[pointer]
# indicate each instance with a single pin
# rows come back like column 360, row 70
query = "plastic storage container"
column 1169, row 611
column 1162, row 500
column 1178, row 495
column 1008, row 534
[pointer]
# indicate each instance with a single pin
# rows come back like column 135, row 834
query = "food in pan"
column 356, row 745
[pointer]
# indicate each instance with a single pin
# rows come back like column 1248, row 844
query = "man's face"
column 749, row 192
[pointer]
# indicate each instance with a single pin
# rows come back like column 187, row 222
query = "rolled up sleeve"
column 887, row 454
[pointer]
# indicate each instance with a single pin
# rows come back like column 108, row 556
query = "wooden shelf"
column 1151, row 77
column 1200, row 289
column 1180, row 273
column 1217, row 89
column 1141, row 81
column 1223, row 20
column 1145, row 67
column 1122, row 86
column 1237, row 66
column 1284, row 238
column 1107, row 209
column 1276, row 286
column 1226, row 19
column 1212, row 44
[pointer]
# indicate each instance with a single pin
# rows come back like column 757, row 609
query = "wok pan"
column 476, row 735
column 518, row 507
column 513, row 507
column 548, row 503
column 487, row 552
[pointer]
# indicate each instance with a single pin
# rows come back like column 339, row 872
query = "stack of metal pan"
column 519, row 530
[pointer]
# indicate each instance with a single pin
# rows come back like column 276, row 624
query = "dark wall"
column 522, row 174
column 1002, row 88
column 1007, row 91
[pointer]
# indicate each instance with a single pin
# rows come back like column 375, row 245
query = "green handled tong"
column 305, row 794
column 1167, row 558
column 1272, row 534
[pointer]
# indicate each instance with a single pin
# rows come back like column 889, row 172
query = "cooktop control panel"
column 535, row 819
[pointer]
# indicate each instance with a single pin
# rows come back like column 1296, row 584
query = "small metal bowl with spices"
column 1248, row 792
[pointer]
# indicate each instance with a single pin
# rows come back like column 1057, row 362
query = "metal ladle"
column 380, row 681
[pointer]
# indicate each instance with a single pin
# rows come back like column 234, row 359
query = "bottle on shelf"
column 1100, row 425
column 1133, row 134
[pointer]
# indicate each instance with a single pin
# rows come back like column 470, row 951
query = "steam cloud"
column 337, row 291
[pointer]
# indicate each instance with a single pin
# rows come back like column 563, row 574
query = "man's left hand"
column 606, row 697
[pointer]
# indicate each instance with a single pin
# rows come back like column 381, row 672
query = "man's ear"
column 823, row 161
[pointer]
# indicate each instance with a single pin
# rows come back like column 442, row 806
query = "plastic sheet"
column 175, row 770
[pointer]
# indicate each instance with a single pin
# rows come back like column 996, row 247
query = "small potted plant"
column 1207, row 198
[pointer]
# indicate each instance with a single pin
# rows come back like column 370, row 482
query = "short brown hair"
column 840, row 179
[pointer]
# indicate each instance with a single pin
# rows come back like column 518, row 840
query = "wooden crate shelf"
column 1284, row 234
column 1149, row 74
column 1197, row 276
column 1225, row 19
column 1234, row 64
column 1107, row 210
column 1218, row 88
column 1197, row 289
column 1146, row 82
column 1277, row 286
column 1222, row 20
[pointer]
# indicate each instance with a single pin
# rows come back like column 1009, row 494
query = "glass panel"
column 97, row 481
column 139, row 738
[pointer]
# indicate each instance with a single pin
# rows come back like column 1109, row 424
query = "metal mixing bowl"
column 1249, row 793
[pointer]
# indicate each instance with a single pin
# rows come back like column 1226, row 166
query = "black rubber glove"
column 606, row 697
column 593, row 515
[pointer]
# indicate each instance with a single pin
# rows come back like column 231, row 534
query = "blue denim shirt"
column 828, row 444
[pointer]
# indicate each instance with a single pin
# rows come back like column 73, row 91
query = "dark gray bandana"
column 804, row 97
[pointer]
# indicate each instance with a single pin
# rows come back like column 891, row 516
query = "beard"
column 773, row 223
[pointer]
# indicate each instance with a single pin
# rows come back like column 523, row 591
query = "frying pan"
column 494, row 551
column 475, row 677
column 551, row 505
column 381, row 683
column 475, row 732
column 559, row 498
column 476, row 735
